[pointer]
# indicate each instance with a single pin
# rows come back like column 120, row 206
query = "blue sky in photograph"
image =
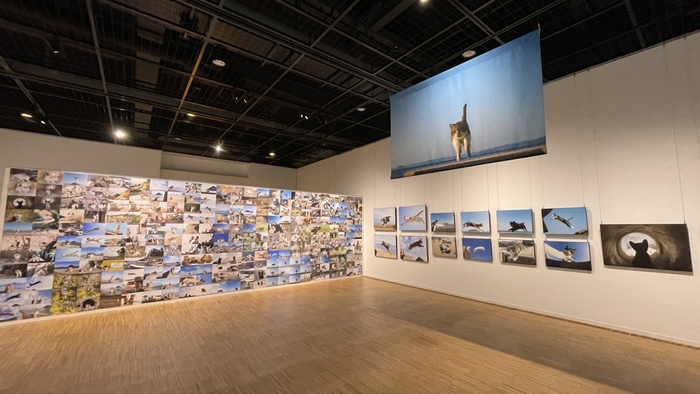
column 519, row 216
column 443, row 217
column 411, row 211
column 577, row 218
column 69, row 178
column 475, row 217
column 582, row 254
column 503, row 90
column 479, row 254
column 406, row 241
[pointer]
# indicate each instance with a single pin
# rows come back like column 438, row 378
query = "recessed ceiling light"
column 178, row 139
column 26, row 115
column 469, row 54
column 272, row 154
column 218, row 148
column 190, row 115
column 218, row 62
column 361, row 109
column 119, row 134
column 43, row 122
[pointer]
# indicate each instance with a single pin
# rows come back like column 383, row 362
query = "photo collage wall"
column 74, row 242
column 661, row 247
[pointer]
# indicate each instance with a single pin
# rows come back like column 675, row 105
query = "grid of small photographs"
column 75, row 242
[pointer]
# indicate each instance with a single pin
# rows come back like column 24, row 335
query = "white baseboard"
column 621, row 329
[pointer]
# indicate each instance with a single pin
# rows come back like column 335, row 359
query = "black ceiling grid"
column 296, row 71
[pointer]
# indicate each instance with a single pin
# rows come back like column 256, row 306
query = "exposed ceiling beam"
column 8, row 71
column 478, row 22
column 401, row 7
column 291, row 66
column 633, row 18
column 96, row 41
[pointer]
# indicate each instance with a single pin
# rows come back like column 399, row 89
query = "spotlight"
column 301, row 115
column 218, row 148
column 468, row 54
column 190, row 115
column 361, row 109
column 218, row 62
column 306, row 117
column 119, row 134
column 26, row 115
column 43, row 122
column 245, row 101
column 178, row 139
column 272, row 154
column 54, row 45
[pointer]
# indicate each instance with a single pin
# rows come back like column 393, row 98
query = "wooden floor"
column 355, row 335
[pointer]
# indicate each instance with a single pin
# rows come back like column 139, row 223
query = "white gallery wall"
column 23, row 149
column 623, row 140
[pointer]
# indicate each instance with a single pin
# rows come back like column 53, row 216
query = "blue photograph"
column 75, row 178
column 517, row 221
column 565, row 221
column 477, row 249
column 412, row 218
column 385, row 246
column 566, row 254
column 475, row 222
column 414, row 248
column 443, row 222
column 488, row 109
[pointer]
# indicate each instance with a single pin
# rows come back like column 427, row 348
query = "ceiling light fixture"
column 306, row 117
column 178, row 139
column 190, row 115
column 272, row 154
column 119, row 134
column 43, row 122
column 218, row 62
column 361, row 109
column 26, row 115
column 218, row 148
column 468, row 54
column 245, row 101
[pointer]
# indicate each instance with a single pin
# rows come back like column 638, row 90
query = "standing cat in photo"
column 461, row 135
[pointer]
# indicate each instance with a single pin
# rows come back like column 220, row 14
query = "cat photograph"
column 568, row 255
column 461, row 136
column 517, row 221
column 647, row 246
column 517, row 251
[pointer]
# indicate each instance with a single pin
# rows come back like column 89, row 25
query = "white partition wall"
column 623, row 140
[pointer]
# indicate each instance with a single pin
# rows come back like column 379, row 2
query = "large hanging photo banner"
column 486, row 110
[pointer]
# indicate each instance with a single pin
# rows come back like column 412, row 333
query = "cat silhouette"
column 641, row 258
column 515, row 226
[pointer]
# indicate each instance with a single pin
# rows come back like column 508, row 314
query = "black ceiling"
column 144, row 65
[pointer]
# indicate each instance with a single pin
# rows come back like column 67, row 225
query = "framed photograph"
column 517, row 251
column 385, row 246
column 478, row 249
column 475, row 222
column 444, row 247
column 412, row 218
column 517, row 221
column 565, row 221
column 648, row 246
column 443, row 222
column 384, row 219
column 414, row 248
column 569, row 255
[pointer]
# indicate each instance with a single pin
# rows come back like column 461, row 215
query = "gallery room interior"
column 351, row 196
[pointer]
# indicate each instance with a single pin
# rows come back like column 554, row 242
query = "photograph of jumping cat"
column 515, row 221
column 475, row 222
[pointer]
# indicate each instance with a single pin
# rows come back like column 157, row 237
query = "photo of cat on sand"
column 648, row 246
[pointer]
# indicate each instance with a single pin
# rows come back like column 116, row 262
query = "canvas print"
column 517, row 221
column 413, row 218
column 74, row 242
column 385, row 219
column 565, row 221
column 443, row 222
column 385, row 246
column 477, row 249
column 488, row 109
column 517, row 251
column 475, row 222
column 649, row 246
column 444, row 247
column 566, row 254
column 414, row 248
